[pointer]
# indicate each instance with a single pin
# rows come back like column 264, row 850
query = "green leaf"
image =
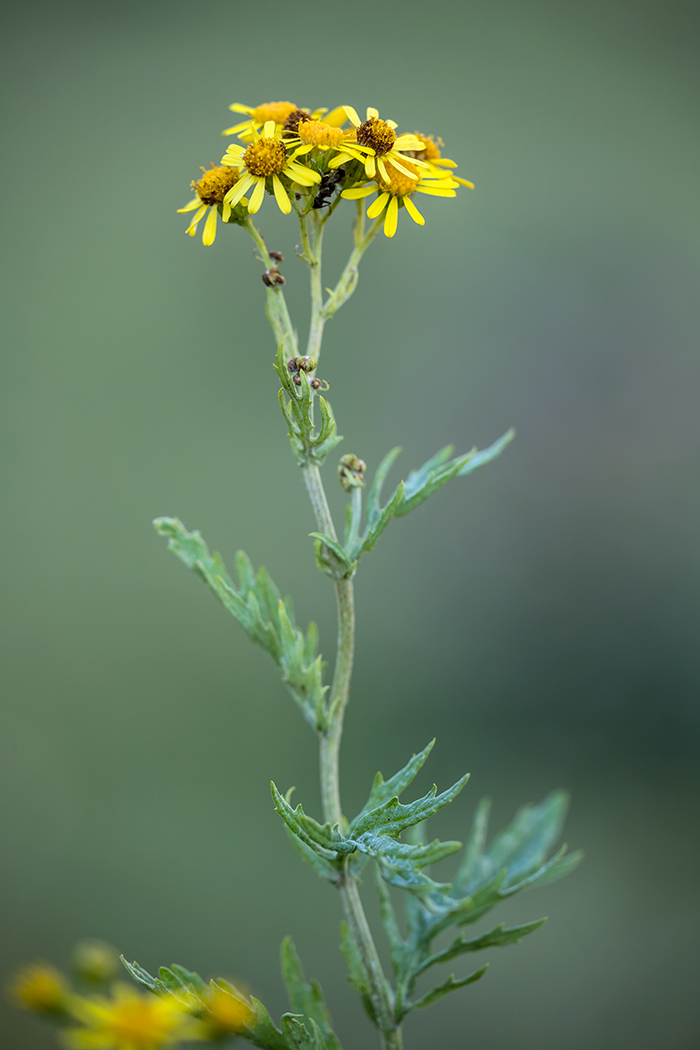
column 141, row 976
column 383, row 790
column 333, row 545
column 487, row 454
column 449, row 986
column 498, row 937
column 374, row 495
column 306, row 997
column 309, row 443
column 392, row 817
column 422, row 483
column 261, row 1030
column 356, row 971
column 390, row 924
column 374, row 531
column 323, row 839
column 263, row 614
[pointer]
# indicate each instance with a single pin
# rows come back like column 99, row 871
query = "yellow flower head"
column 282, row 115
column 396, row 190
column 378, row 140
column 40, row 988
column 130, row 1021
column 265, row 159
column 211, row 192
column 430, row 153
column 227, row 1012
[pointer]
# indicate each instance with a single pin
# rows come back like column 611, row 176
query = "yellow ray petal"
column 370, row 166
column 377, row 207
column 391, row 218
column 463, row 182
column 301, row 151
column 433, row 191
column 268, row 129
column 409, row 142
column 443, row 162
column 352, row 116
column 358, row 191
column 404, row 171
column 318, row 113
column 236, row 192
column 194, row 203
column 413, row 211
column 281, row 196
column 210, row 227
column 382, row 169
column 195, row 220
column 340, row 158
column 238, row 107
column 302, row 175
column 226, row 212
column 235, row 128
column 392, row 124
column 257, row 195
column 372, row 113
column 337, row 117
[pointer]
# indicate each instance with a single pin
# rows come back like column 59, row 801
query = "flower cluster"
column 310, row 159
column 95, row 1012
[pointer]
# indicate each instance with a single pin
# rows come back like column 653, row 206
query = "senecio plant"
column 312, row 162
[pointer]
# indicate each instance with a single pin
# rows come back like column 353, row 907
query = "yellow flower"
column 130, row 1021
column 397, row 190
column 280, row 113
column 265, row 158
column 40, row 988
column 227, row 1010
column 326, row 134
column 382, row 146
column 211, row 191
column 430, row 153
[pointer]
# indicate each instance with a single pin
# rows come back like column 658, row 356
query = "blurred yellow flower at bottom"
column 130, row 1021
column 40, row 987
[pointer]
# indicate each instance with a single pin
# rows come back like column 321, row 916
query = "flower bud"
column 351, row 472
column 95, row 961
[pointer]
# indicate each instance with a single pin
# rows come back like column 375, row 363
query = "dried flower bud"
column 277, row 256
column 306, row 364
column 273, row 277
column 297, row 379
column 351, row 472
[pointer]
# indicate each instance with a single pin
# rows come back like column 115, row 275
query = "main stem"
column 379, row 990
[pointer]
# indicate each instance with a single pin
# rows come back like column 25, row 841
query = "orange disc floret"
column 316, row 133
column 265, row 157
column 215, row 184
column 277, row 111
column 398, row 184
column 431, row 147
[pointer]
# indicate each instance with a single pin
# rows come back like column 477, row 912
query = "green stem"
column 276, row 304
column 379, row 990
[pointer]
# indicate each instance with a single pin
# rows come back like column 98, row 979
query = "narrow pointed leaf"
column 450, row 985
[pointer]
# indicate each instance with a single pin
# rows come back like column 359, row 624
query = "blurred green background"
column 539, row 618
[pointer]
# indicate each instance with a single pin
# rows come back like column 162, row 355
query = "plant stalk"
column 379, row 990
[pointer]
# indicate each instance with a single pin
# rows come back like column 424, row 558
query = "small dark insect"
column 277, row 256
column 327, row 188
